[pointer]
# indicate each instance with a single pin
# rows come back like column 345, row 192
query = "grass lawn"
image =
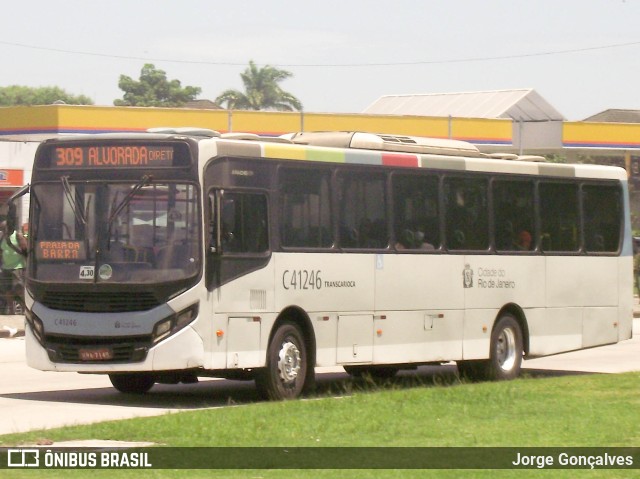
column 583, row 410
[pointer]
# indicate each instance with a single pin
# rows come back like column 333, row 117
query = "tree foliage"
column 23, row 95
column 153, row 89
column 262, row 91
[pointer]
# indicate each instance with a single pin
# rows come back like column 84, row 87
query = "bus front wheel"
column 132, row 383
column 505, row 356
column 286, row 370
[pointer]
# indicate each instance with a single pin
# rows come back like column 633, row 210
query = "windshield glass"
column 140, row 232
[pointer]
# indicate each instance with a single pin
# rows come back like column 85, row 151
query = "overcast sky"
column 582, row 56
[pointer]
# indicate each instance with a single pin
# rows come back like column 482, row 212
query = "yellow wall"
column 601, row 135
column 37, row 120
column 77, row 119
column 88, row 119
column 25, row 119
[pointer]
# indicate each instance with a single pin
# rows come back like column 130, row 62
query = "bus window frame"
column 278, row 206
column 339, row 188
column 398, row 173
column 535, row 234
column 620, row 217
column 486, row 178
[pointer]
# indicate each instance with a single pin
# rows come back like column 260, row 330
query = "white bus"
column 166, row 256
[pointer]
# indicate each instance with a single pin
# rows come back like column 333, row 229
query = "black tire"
column 132, row 383
column 505, row 355
column 286, row 372
column 375, row 372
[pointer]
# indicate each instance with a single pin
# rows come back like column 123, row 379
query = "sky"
column 582, row 56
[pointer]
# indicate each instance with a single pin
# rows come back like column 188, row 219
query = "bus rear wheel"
column 505, row 357
column 285, row 374
column 132, row 383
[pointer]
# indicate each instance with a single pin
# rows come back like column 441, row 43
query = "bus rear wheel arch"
column 505, row 353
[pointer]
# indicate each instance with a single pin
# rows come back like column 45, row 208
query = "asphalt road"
column 34, row 400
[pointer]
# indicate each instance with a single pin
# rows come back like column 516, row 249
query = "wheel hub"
column 289, row 362
column 506, row 349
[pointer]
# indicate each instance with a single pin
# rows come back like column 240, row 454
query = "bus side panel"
column 417, row 336
column 412, row 282
column 323, row 285
column 582, row 281
column 589, row 284
column 419, row 308
column 599, row 326
column 554, row 330
column 477, row 333
column 490, row 283
column 625, row 306
column 324, row 282
column 241, row 320
column 495, row 280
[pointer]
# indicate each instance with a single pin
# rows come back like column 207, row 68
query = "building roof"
column 522, row 104
column 202, row 105
column 614, row 115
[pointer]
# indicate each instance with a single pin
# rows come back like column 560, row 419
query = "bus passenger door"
column 355, row 339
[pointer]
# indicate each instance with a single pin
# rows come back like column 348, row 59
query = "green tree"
column 23, row 95
column 154, row 89
column 262, row 91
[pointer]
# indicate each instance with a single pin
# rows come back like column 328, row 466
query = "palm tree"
column 262, row 91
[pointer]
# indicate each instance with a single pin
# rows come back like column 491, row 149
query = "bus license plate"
column 102, row 354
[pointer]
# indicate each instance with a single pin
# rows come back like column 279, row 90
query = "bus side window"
column 416, row 215
column 305, row 208
column 467, row 225
column 559, row 216
column 602, row 218
column 363, row 212
column 244, row 223
column 513, row 212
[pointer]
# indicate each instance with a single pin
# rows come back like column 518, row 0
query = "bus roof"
column 385, row 142
column 416, row 152
column 369, row 149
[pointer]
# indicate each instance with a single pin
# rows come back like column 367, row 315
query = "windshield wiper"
column 144, row 181
column 74, row 203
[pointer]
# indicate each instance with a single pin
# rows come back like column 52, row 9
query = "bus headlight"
column 35, row 324
column 174, row 323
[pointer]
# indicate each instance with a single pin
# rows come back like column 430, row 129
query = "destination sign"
column 112, row 156
column 60, row 250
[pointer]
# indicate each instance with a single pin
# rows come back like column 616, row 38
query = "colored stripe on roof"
column 285, row 152
column 393, row 159
column 335, row 155
column 361, row 157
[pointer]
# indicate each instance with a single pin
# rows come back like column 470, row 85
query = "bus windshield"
column 134, row 232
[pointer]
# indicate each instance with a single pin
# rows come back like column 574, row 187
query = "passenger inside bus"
column 409, row 239
column 524, row 241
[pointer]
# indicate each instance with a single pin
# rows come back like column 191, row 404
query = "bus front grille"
column 120, row 302
column 101, row 350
